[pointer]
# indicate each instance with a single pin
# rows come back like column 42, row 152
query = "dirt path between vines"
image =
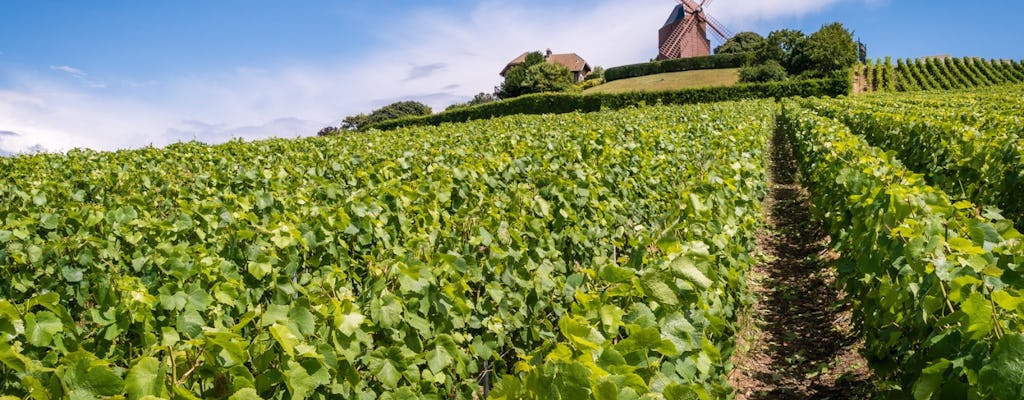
column 796, row 341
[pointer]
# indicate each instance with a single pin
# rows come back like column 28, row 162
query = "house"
column 572, row 61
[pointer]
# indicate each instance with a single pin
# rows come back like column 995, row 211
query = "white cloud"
column 71, row 70
column 437, row 58
column 80, row 75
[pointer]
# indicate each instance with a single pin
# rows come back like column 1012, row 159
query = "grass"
column 671, row 81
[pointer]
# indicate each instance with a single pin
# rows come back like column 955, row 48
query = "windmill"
column 685, row 34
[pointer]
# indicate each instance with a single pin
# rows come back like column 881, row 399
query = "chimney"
column 547, row 54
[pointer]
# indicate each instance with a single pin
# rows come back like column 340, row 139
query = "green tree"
column 768, row 72
column 480, row 98
column 741, row 43
column 828, row 50
column 596, row 74
column 512, row 86
column 547, row 77
column 388, row 112
column 328, row 131
column 780, row 46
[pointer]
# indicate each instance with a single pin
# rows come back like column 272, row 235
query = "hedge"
column 678, row 64
column 560, row 103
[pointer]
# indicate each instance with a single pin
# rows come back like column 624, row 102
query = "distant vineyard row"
column 935, row 274
column 573, row 256
column 937, row 74
column 967, row 143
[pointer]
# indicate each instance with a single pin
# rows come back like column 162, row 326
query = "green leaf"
column 304, row 378
column 259, row 270
column 264, row 200
column 685, row 267
column 146, row 378
column 41, row 326
column 1002, row 377
column 85, row 375
column 389, row 375
column 979, row 316
column 580, row 333
column 931, row 380
column 245, row 394
column 348, row 319
column 1006, row 301
column 568, row 381
column 72, row 275
column 655, row 286
column 642, row 340
column 615, row 274
column 169, row 336
column 611, row 318
column 12, row 359
column 302, row 318
column 438, row 359
column 284, row 336
column 190, row 323
column 606, row 390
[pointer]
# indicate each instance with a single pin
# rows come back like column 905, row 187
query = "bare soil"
column 796, row 341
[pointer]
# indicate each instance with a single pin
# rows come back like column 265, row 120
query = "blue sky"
column 125, row 74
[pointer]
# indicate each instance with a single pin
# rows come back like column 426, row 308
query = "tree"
column 780, row 46
column 388, row 112
column 480, row 98
column 770, row 71
column 828, row 50
column 328, row 131
column 483, row 98
column 547, row 77
column 741, row 43
column 596, row 74
column 512, row 86
column 353, row 122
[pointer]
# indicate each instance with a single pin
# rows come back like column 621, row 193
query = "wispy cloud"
column 439, row 58
column 8, row 133
column 425, row 71
column 80, row 75
column 71, row 70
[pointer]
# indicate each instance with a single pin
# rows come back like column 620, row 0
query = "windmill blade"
column 692, row 22
column 719, row 33
column 720, row 26
column 691, row 6
column 705, row 3
column 722, row 33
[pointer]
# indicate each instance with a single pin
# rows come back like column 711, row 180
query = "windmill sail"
column 685, row 33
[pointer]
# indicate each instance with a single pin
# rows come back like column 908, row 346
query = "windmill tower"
column 685, row 34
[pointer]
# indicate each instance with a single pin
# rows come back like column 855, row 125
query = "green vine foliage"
column 976, row 155
column 936, row 284
column 571, row 256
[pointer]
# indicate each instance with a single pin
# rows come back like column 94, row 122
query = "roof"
column 572, row 61
column 677, row 14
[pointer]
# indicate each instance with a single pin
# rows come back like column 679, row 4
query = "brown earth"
column 796, row 341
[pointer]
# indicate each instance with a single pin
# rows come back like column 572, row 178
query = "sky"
column 119, row 74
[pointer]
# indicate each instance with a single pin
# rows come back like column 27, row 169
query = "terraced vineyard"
column 935, row 275
column 937, row 74
column 599, row 255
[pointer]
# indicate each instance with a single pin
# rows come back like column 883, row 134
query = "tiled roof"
column 572, row 61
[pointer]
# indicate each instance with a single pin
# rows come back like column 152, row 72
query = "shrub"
column 770, row 71
column 679, row 64
column 836, row 84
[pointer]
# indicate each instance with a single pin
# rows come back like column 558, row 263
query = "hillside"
column 671, row 81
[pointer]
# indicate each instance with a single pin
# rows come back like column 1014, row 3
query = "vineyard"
column 524, row 257
column 600, row 255
column 910, row 186
column 937, row 74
